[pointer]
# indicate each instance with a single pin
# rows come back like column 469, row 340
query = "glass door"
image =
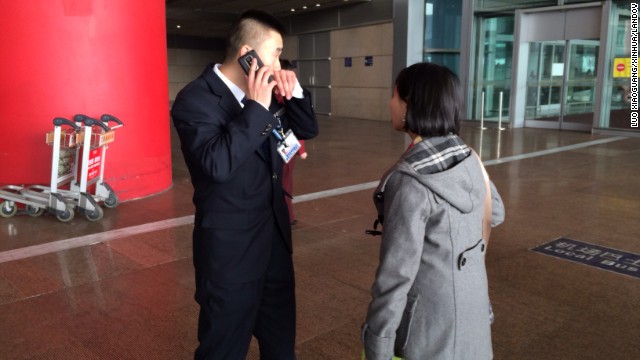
column 580, row 85
column 545, row 84
column 561, row 84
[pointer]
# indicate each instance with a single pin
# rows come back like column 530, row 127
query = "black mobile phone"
column 246, row 59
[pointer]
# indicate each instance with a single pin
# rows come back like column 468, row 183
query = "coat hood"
column 447, row 167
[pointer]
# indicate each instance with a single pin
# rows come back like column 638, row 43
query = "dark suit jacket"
column 237, row 189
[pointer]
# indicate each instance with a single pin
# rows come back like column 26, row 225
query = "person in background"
column 230, row 126
column 430, row 296
column 287, row 171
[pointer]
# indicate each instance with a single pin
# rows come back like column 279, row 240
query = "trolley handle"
column 90, row 121
column 62, row 121
column 105, row 118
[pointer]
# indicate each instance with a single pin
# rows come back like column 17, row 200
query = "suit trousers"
column 287, row 185
column 231, row 313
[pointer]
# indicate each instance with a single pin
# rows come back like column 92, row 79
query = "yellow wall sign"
column 622, row 67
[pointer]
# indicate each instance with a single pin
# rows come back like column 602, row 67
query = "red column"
column 64, row 57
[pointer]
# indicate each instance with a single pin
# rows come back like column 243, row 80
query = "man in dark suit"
column 242, row 235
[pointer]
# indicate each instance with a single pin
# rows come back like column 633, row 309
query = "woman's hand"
column 286, row 80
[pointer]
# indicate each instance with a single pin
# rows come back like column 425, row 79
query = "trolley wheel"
column 8, row 209
column 111, row 201
column 34, row 211
column 66, row 215
column 94, row 215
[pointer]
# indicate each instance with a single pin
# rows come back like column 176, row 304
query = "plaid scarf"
column 437, row 154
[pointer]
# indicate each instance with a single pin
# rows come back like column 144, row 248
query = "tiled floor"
column 130, row 295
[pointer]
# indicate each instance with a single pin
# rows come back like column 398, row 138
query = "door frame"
column 567, row 22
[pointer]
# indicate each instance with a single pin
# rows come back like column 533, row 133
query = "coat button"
column 274, row 176
column 482, row 248
column 461, row 261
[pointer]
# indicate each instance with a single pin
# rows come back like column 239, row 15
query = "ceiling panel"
column 212, row 18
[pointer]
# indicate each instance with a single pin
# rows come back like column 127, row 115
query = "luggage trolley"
column 102, row 191
column 90, row 167
column 37, row 199
column 86, row 169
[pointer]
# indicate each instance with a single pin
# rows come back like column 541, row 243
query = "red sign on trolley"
column 95, row 159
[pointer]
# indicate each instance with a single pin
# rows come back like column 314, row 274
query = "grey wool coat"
column 430, row 297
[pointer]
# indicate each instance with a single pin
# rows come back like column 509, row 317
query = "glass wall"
column 492, row 67
column 562, row 74
column 545, row 80
column 442, row 33
column 497, row 5
column 567, row 2
column 617, row 108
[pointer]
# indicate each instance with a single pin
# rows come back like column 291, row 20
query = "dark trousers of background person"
column 230, row 313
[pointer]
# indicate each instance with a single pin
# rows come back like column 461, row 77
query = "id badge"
column 289, row 146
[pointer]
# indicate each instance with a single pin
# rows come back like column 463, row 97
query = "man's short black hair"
column 264, row 18
column 285, row 64
column 433, row 96
column 249, row 28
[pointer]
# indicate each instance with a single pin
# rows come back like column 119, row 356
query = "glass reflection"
column 545, row 79
column 618, row 108
column 581, row 81
column 442, row 28
column 493, row 67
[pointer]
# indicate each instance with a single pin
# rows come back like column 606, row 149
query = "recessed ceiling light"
column 317, row 4
column 304, row 7
column 292, row 9
column 178, row 26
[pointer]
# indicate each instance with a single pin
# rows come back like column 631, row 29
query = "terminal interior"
column 565, row 160
column 122, row 288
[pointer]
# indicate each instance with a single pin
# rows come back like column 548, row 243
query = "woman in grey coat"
column 430, row 297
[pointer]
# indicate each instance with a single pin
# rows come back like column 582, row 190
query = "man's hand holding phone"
column 259, row 84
